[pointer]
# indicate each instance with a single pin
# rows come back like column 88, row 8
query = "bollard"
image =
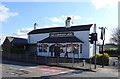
column 83, row 63
column 113, row 63
column 57, row 60
column 90, row 63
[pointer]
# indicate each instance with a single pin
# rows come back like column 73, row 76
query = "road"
column 17, row 69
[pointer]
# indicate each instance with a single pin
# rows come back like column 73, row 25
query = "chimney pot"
column 67, row 22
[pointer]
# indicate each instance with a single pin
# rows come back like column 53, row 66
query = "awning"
column 60, row 40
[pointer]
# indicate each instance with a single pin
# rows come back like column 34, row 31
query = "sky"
column 18, row 18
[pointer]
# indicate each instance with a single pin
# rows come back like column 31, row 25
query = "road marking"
column 47, row 70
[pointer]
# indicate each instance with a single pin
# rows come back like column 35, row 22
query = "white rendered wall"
column 83, row 36
column 34, row 38
column 91, row 50
column 87, row 49
column 92, row 46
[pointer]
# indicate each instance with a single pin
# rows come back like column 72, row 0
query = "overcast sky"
column 18, row 18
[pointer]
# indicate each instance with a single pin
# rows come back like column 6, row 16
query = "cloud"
column 106, row 3
column 62, row 18
column 76, row 17
column 5, row 13
column 22, row 32
column 89, row 19
column 49, row 26
column 57, row 20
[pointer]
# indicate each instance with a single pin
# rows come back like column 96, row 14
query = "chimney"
column 35, row 26
column 67, row 22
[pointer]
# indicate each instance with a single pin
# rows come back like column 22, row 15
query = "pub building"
column 68, row 41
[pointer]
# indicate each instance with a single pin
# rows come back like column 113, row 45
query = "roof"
column 15, row 40
column 61, row 29
column 60, row 40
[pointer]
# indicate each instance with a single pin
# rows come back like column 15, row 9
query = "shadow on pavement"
column 72, row 68
column 58, row 75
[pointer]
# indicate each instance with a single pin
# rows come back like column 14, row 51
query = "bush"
column 101, row 59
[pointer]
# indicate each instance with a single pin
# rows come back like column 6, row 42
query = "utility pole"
column 103, row 39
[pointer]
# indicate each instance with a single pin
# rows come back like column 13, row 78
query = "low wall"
column 41, row 59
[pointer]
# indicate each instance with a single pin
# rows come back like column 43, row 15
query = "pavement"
column 99, row 72
column 89, row 71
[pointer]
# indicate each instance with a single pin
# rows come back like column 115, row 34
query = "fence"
column 46, row 60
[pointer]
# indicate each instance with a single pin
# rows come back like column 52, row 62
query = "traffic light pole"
column 95, row 44
column 95, row 55
column 93, row 39
column 103, row 54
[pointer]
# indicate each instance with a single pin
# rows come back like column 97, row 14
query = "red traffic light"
column 92, row 37
column 94, row 34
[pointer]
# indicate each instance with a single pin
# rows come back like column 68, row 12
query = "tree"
column 115, row 36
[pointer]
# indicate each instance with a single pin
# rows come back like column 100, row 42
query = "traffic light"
column 91, row 38
column 94, row 36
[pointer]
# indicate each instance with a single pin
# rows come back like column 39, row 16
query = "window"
column 43, row 48
column 80, row 48
column 63, row 49
column 75, row 48
column 40, row 48
column 69, row 48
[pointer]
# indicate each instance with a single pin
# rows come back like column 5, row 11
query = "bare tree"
column 115, row 36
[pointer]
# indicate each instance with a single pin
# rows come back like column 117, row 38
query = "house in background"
column 14, row 45
column 110, row 48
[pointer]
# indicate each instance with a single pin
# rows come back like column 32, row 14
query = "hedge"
column 101, row 59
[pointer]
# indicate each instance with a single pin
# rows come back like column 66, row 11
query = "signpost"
column 103, row 39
